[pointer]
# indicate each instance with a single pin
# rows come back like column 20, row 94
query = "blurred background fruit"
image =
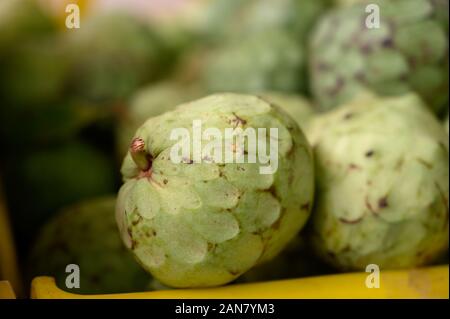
column 149, row 102
column 108, row 68
column 267, row 61
column 41, row 182
column 243, row 19
column 408, row 52
column 86, row 235
column 382, row 173
column 21, row 20
column 298, row 107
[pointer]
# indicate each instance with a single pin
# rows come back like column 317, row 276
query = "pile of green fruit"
column 340, row 157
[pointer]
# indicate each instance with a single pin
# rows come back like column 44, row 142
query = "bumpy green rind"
column 408, row 52
column 267, row 61
column 86, row 235
column 204, row 224
column 382, row 184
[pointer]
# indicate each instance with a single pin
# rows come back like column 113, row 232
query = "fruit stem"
column 141, row 158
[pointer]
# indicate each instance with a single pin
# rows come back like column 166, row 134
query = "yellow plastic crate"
column 6, row 291
column 8, row 259
column 430, row 282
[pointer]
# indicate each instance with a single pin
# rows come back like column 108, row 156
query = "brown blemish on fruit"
column 353, row 166
column 369, row 153
column 348, row 221
column 136, row 221
column 360, row 77
column 305, row 206
column 233, row 272
column 187, row 161
column 165, row 181
column 348, row 116
column 383, row 202
column 337, row 87
column 399, row 164
column 237, row 121
column 445, row 203
column 272, row 191
column 211, row 246
column 277, row 224
column 424, row 163
column 387, row 43
column 369, row 206
column 133, row 244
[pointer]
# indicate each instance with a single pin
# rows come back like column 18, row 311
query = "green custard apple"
column 52, row 178
column 199, row 219
column 227, row 19
column 113, row 55
column 36, row 72
column 382, row 179
column 268, row 61
column 85, row 234
column 408, row 52
column 148, row 102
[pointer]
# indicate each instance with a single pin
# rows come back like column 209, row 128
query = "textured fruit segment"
column 203, row 222
column 382, row 180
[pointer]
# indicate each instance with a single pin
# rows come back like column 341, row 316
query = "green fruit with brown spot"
column 382, row 184
column 201, row 223
column 408, row 52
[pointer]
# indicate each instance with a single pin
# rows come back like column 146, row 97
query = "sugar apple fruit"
column 382, row 184
column 86, row 234
column 408, row 52
column 268, row 61
column 203, row 221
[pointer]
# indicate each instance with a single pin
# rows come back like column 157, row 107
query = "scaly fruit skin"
column 299, row 108
column 267, row 61
column 149, row 102
column 409, row 52
column 382, row 184
column 204, row 224
column 113, row 54
column 86, row 235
